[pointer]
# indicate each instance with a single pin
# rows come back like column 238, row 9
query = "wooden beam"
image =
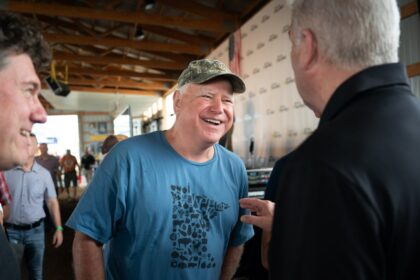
column 408, row 9
column 65, row 24
column 130, row 17
column 154, row 64
column 413, row 69
column 198, row 9
column 180, row 36
column 120, row 73
column 125, row 43
column 116, row 91
column 119, row 84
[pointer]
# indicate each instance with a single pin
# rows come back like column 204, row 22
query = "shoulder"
column 139, row 143
column 229, row 157
column 134, row 149
column 40, row 169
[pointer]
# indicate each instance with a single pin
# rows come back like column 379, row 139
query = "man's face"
column 303, row 49
column 294, row 56
column 205, row 111
column 43, row 148
column 21, row 108
column 33, row 147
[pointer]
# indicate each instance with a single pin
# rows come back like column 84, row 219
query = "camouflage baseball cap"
column 203, row 70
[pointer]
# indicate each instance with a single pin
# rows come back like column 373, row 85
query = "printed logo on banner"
column 267, row 65
column 278, row 8
column 262, row 90
column 275, row 85
column 307, row 131
column 269, row 112
column 265, row 18
column 299, row 104
column 272, row 37
column 283, row 108
column 289, row 80
column 280, row 57
column 277, row 134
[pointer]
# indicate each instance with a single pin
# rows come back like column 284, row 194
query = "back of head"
column 351, row 34
column 20, row 35
column 108, row 143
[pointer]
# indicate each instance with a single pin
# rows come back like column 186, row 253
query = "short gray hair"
column 351, row 33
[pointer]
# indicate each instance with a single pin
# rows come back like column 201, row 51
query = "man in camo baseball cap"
column 203, row 70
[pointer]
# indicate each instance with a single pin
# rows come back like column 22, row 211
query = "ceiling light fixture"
column 139, row 34
column 149, row 5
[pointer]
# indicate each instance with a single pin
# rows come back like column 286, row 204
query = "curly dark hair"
column 21, row 35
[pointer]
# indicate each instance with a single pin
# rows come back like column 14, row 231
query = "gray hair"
column 350, row 33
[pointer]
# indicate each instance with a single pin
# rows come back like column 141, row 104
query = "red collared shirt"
column 5, row 197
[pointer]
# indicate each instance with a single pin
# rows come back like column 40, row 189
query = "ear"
column 310, row 55
column 177, row 101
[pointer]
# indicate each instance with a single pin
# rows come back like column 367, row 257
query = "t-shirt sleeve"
column 102, row 205
column 241, row 232
column 324, row 227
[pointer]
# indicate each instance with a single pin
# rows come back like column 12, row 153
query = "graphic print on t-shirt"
column 191, row 216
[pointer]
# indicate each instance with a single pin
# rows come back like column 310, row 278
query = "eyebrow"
column 35, row 85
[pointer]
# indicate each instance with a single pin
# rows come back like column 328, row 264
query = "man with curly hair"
column 23, row 52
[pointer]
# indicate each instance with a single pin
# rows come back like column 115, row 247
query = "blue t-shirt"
column 164, row 217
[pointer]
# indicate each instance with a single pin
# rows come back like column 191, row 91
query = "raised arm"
column 87, row 258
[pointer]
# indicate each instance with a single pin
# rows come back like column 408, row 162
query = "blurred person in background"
column 30, row 186
column 87, row 163
column 49, row 162
column 68, row 164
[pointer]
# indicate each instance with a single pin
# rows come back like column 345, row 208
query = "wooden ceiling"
column 96, row 39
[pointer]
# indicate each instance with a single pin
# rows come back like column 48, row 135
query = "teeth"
column 215, row 122
column 24, row 132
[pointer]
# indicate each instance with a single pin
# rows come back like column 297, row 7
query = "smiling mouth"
column 213, row 122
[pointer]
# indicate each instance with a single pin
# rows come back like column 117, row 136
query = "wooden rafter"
column 116, row 42
column 130, row 17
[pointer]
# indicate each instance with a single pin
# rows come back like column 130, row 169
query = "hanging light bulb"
column 149, row 5
column 139, row 34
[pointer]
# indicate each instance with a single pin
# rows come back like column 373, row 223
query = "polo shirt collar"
column 365, row 80
column 35, row 167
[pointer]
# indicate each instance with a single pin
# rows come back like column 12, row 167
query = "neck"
column 183, row 146
column 327, row 82
column 27, row 166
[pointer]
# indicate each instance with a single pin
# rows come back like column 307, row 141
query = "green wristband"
column 59, row 228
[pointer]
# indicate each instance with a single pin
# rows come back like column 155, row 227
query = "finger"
column 250, row 202
column 263, row 222
column 251, row 219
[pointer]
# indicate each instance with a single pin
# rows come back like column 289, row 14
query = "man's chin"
column 7, row 163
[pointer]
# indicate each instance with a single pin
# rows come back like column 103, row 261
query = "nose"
column 217, row 105
column 38, row 113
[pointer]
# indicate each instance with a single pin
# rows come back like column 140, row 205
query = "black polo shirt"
column 349, row 202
